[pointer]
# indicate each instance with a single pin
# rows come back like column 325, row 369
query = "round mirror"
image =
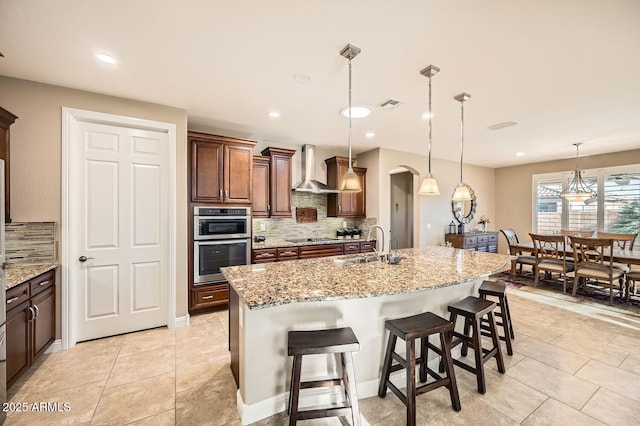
column 463, row 211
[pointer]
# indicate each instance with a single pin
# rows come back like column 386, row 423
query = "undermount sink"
column 363, row 259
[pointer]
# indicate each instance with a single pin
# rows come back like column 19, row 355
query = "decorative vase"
column 485, row 227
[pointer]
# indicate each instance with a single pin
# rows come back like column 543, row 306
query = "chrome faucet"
column 378, row 253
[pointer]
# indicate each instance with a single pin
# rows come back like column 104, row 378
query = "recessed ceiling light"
column 370, row 134
column 357, row 111
column 107, row 59
column 274, row 114
column 302, row 77
column 427, row 116
column 520, row 154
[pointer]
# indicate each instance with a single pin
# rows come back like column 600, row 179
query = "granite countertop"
column 283, row 243
column 15, row 274
column 330, row 278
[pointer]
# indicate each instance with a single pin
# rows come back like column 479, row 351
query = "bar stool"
column 473, row 309
column 409, row 329
column 338, row 340
column 498, row 290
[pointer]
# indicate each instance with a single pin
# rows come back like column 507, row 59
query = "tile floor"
column 573, row 364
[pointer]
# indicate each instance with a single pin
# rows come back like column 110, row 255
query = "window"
column 616, row 209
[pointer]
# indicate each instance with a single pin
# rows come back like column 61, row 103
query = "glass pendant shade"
column 429, row 186
column 577, row 191
column 350, row 181
column 461, row 193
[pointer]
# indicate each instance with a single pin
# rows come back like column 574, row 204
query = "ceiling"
column 566, row 71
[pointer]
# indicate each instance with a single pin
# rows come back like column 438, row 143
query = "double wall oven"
column 221, row 237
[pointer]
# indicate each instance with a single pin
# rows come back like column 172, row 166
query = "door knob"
column 84, row 258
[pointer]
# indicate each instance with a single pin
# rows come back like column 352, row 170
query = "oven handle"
column 213, row 242
column 221, row 217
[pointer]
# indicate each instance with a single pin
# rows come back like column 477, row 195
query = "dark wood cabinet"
column 475, row 241
column 272, row 183
column 279, row 254
column 261, row 200
column 31, row 322
column 345, row 204
column 221, row 168
column 209, row 295
column 6, row 120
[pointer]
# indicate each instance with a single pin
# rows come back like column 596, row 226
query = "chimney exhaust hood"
column 309, row 183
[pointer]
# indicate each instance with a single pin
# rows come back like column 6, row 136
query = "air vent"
column 390, row 103
column 502, row 125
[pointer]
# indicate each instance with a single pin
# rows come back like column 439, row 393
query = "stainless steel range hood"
column 309, row 183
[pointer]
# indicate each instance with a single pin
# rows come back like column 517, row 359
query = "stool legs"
column 294, row 391
column 505, row 316
column 386, row 367
column 445, row 344
column 350, row 388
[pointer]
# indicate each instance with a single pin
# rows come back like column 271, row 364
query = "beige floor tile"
column 549, row 354
column 564, row 387
column 509, row 360
column 166, row 418
column 91, row 348
column 399, row 417
column 553, row 413
column 632, row 363
column 142, row 365
column 543, row 332
column 592, row 348
column 136, row 401
column 474, row 412
column 374, row 409
column 192, row 375
column 74, row 406
column 65, row 375
column 612, row 408
column 211, row 403
column 612, row 378
column 147, row 340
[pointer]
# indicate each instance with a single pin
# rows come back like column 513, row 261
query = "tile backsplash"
column 30, row 242
column 284, row 227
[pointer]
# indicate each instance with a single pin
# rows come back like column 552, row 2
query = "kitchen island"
column 268, row 300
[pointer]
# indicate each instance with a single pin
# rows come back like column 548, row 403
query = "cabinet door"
column 6, row 120
column 18, row 341
column 44, row 324
column 260, row 205
column 359, row 200
column 238, row 162
column 280, row 186
column 206, row 171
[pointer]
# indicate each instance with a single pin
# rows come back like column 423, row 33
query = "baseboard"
column 183, row 321
column 56, row 346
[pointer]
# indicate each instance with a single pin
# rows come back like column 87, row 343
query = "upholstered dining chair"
column 620, row 242
column 550, row 257
column 512, row 238
column 591, row 262
column 633, row 278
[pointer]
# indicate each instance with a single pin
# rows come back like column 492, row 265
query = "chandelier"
column 350, row 181
column 577, row 191
column 429, row 185
column 462, row 192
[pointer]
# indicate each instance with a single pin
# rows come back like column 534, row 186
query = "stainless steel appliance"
column 222, row 237
column 3, row 305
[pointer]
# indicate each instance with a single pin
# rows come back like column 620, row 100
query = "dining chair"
column 550, row 257
column 591, row 262
column 620, row 242
column 633, row 278
column 573, row 233
column 512, row 238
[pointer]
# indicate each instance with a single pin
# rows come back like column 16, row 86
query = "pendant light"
column 462, row 190
column 350, row 181
column 578, row 190
column 429, row 185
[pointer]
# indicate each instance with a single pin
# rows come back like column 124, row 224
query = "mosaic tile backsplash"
column 325, row 227
column 30, row 242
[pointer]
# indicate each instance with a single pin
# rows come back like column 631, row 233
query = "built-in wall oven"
column 221, row 237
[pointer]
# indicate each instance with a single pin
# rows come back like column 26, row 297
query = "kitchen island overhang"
column 268, row 300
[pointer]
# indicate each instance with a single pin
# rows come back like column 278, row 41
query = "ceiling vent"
column 390, row 103
column 502, row 125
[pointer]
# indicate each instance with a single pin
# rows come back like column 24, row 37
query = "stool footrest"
column 324, row 412
column 320, row 383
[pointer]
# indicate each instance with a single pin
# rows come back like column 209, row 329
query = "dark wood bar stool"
column 498, row 290
column 338, row 340
column 472, row 309
column 409, row 329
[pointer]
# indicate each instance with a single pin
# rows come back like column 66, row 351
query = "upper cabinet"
column 272, row 181
column 345, row 204
column 6, row 120
column 221, row 168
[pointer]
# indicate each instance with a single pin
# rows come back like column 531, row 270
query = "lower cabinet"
column 279, row 254
column 209, row 295
column 31, row 323
column 474, row 241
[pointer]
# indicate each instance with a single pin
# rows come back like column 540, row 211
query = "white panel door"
column 120, row 216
